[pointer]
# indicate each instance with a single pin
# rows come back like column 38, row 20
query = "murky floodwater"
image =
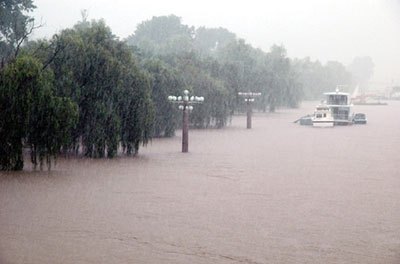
column 278, row 193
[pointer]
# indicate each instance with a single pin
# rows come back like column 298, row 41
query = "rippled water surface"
column 278, row 193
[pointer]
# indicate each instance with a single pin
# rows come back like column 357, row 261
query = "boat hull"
column 343, row 122
column 317, row 123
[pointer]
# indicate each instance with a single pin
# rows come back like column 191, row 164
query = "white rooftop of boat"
column 337, row 93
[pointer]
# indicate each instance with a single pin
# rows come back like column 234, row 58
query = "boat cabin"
column 337, row 99
column 340, row 106
column 322, row 117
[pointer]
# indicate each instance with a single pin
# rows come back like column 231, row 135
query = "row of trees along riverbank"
column 86, row 92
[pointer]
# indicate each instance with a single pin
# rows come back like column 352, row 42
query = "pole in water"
column 185, row 104
column 249, row 98
column 185, row 130
column 249, row 112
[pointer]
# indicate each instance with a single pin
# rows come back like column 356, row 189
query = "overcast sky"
column 320, row 29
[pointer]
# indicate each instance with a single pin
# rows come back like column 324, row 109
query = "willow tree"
column 241, row 70
column 165, row 81
column 198, row 78
column 100, row 74
column 31, row 115
column 179, row 66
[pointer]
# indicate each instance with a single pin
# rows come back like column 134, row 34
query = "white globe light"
column 179, row 98
column 180, row 107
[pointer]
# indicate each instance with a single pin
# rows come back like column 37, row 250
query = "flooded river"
column 278, row 193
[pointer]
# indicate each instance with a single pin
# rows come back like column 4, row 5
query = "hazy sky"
column 321, row 29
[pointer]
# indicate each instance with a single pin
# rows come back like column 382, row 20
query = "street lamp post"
column 249, row 98
column 185, row 104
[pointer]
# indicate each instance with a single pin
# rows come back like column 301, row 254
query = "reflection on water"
column 278, row 193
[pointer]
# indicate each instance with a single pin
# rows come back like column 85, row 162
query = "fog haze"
column 322, row 30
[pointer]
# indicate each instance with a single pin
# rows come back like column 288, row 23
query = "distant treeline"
column 86, row 92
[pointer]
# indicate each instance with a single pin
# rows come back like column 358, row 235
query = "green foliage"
column 136, row 113
column 91, row 92
column 31, row 113
column 164, row 82
column 280, row 67
column 213, row 63
column 49, row 125
column 248, row 69
column 241, row 56
column 317, row 78
column 99, row 73
column 162, row 35
column 15, row 26
column 198, row 79
column 208, row 40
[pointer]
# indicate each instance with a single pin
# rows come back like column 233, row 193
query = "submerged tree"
column 165, row 81
column 100, row 74
column 31, row 115
column 280, row 68
column 198, row 79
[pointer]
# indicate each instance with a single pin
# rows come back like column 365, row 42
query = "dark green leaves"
column 31, row 115
column 100, row 74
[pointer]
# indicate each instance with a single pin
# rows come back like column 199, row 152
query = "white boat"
column 340, row 106
column 322, row 117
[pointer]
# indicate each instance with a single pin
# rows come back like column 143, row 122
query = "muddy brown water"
column 278, row 193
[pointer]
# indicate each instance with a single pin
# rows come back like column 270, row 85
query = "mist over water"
column 278, row 193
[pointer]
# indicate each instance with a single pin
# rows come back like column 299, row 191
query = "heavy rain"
column 199, row 132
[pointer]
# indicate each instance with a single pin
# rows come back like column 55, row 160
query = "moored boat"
column 340, row 106
column 322, row 116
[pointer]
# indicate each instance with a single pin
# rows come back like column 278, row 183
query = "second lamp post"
column 249, row 99
column 185, row 104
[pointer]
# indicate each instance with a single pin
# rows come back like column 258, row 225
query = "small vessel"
column 335, row 110
column 322, row 116
column 359, row 118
